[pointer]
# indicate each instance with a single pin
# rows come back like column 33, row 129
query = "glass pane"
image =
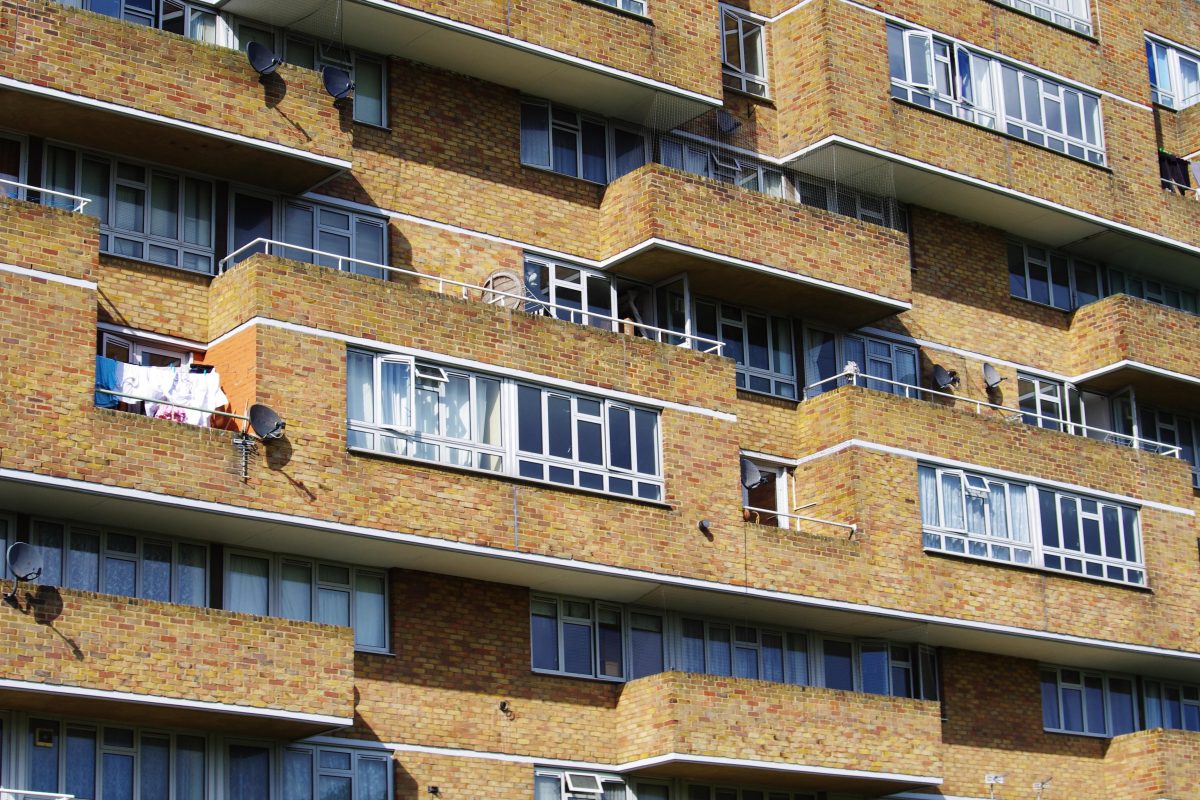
column 577, row 648
column 838, row 664
column 874, row 665
column 609, row 634
column 719, row 654
column 620, row 452
column 117, row 769
column 94, row 186
column 370, row 611
column 333, row 606
column 189, row 768
column 558, row 426
column 298, row 774
column 120, row 576
column 249, row 772
column 371, row 775
column 646, row 429
column 544, row 634
column 156, row 571
column 80, row 762
column 295, row 591
column 646, row 645
column 368, row 92
column 535, row 134
column 529, row 419
column 192, row 587
column 47, row 538
column 83, row 561
column 248, row 584
column 154, row 768
column 164, row 206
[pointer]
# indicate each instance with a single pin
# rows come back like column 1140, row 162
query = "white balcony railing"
column 759, row 514
column 856, row 378
column 20, row 191
column 486, row 294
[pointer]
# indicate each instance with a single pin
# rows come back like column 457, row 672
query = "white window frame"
column 780, row 384
column 557, row 282
column 1062, row 684
column 783, row 476
column 275, row 562
column 1060, row 270
column 736, row 23
column 1073, row 15
column 513, row 461
column 572, row 783
column 1050, row 557
column 140, row 348
column 356, row 755
column 1163, row 52
column 637, row 7
column 952, row 60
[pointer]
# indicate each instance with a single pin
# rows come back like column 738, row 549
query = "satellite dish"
column 265, row 423
column 262, row 58
column 752, row 476
column 24, row 562
column 726, row 122
column 337, row 82
column 944, row 378
column 991, row 377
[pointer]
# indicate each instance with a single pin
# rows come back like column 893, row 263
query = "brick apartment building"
column 792, row 400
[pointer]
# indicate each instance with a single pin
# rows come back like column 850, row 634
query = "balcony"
column 573, row 53
column 1152, row 764
column 1123, row 340
column 735, row 730
column 743, row 246
column 169, row 665
column 179, row 103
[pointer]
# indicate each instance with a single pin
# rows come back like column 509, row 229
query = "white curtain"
column 927, row 480
column 952, row 503
column 1020, row 514
column 248, row 580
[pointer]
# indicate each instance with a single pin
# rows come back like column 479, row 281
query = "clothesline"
column 173, row 393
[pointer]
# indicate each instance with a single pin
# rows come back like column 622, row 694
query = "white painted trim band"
column 173, row 702
column 137, row 113
column 575, row 386
column 1140, row 366
column 52, row 277
column 631, row 766
column 732, row 590
column 999, row 473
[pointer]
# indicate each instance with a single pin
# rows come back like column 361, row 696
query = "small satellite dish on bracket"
column 25, row 564
column 991, row 377
column 944, row 378
column 337, row 82
column 265, row 424
column 262, row 59
column 752, row 476
column 726, row 122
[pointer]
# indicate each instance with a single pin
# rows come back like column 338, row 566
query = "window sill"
column 1057, row 732
column 932, row 551
column 596, row 678
column 501, row 476
column 750, row 394
column 369, row 652
column 1090, row 37
column 1002, row 134
column 618, row 10
column 1044, row 305
column 145, row 262
column 765, row 99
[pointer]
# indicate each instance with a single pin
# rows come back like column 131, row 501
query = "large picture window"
column 760, row 344
column 577, row 144
column 950, row 78
column 972, row 514
column 297, row 588
column 1174, row 74
column 418, row 409
column 145, row 213
column 585, row 638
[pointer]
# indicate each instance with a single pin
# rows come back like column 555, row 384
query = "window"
column 769, row 501
column 949, row 78
column 570, row 291
column 749, row 173
column 743, row 52
column 1156, row 291
column 708, row 162
column 402, row 406
column 133, row 565
column 146, row 353
column 760, row 344
column 107, row 762
column 1050, row 278
column 553, row 784
column 12, row 166
column 1170, row 429
column 894, row 366
column 368, row 73
column 594, row 639
column 577, row 144
column 975, row 515
column 1174, row 74
column 1092, row 703
column 329, row 229
column 591, row 639
column 632, row 6
column 297, row 588
column 698, row 792
column 145, row 213
column 1169, row 705
column 1073, row 14
column 336, row 772
column 1048, row 403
